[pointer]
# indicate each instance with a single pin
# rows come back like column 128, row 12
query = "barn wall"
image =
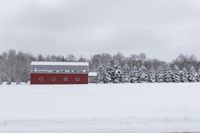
column 59, row 78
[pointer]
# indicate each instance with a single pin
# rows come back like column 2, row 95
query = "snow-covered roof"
column 60, row 67
column 60, row 63
column 92, row 74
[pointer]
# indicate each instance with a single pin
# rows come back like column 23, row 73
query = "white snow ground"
column 100, row 108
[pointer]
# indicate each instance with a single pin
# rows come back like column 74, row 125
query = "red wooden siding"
column 48, row 78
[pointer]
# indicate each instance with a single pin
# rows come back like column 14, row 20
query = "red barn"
column 59, row 72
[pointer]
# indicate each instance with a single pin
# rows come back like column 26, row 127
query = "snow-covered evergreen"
column 184, row 75
column 176, row 74
column 112, row 73
column 115, row 73
column 192, row 74
column 134, row 75
column 152, row 75
column 100, row 75
column 167, row 73
column 143, row 75
column 126, row 73
column 107, row 77
column 160, row 74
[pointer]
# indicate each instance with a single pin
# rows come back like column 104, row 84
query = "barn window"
column 53, row 79
column 77, row 79
column 65, row 78
column 40, row 78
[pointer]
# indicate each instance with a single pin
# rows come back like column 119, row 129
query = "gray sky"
column 160, row 28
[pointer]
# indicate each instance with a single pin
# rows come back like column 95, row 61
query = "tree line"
column 14, row 67
column 164, row 73
column 138, row 69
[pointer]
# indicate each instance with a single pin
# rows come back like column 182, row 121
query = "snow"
column 100, row 108
column 93, row 74
column 61, row 63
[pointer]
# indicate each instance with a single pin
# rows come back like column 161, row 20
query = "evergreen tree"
column 100, row 74
column 127, row 73
column 111, row 73
column 152, row 76
column 122, row 76
column 184, row 75
column 134, row 75
column 118, row 75
column 167, row 73
column 143, row 75
column 107, row 77
column 176, row 74
column 160, row 74
column 192, row 74
column 115, row 73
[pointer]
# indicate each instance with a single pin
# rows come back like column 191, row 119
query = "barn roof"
column 60, row 67
column 60, row 63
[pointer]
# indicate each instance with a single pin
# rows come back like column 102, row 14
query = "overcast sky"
column 160, row 28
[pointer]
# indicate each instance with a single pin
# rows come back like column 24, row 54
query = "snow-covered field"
column 100, row 108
